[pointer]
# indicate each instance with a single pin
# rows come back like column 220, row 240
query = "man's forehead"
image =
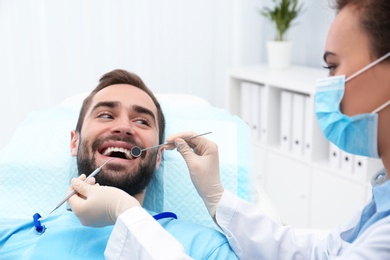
column 125, row 95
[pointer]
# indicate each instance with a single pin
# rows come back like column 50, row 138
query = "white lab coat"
column 137, row 235
column 253, row 235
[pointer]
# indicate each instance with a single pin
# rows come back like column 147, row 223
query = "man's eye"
column 105, row 115
column 142, row 121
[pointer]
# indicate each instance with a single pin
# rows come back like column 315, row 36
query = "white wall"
column 308, row 32
column 52, row 49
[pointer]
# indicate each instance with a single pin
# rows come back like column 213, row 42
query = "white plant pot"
column 279, row 54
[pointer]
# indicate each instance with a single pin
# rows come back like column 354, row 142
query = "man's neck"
column 140, row 197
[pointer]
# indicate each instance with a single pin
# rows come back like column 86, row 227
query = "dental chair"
column 36, row 166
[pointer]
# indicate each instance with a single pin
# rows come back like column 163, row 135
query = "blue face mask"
column 357, row 134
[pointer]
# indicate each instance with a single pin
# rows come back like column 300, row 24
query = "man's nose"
column 123, row 126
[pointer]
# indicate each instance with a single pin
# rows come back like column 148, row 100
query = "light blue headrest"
column 172, row 180
column 36, row 166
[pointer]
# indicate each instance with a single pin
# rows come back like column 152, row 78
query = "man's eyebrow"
column 326, row 54
column 107, row 104
column 144, row 110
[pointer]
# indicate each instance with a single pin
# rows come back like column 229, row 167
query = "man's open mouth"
column 117, row 152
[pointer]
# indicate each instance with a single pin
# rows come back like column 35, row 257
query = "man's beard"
column 133, row 182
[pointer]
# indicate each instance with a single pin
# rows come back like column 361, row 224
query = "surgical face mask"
column 356, row 134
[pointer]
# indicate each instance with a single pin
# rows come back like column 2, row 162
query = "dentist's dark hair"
column 374, row 18
column 119, row 76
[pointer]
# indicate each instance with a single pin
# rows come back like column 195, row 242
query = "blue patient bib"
column 66, row 238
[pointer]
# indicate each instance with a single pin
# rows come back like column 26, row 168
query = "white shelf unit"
column 317, row 185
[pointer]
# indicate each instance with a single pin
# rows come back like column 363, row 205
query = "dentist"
column 353, row 111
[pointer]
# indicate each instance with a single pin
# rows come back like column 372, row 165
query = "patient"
column 121, row 112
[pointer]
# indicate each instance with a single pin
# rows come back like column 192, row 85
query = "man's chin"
column 118, row 161
column 120, row 168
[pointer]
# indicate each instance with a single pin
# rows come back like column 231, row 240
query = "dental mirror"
column 136, row 151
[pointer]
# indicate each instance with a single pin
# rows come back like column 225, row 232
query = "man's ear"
column 74, row 142
column 159, row 156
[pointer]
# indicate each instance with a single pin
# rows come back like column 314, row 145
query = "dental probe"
column 73, row 191
column 136, row 151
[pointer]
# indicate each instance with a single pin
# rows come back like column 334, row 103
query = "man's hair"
column 374, row 18
column 119, row 76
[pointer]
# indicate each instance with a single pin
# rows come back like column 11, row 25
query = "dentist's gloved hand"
column 98, row 206
column 201, row 156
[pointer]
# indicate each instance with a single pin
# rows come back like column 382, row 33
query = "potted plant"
column 282, row 15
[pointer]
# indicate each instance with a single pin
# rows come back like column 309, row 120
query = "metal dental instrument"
column 73, row 191
column 136, row 151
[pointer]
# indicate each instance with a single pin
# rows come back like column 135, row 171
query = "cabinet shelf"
column 300, row 170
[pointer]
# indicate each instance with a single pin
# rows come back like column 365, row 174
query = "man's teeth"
column 110, row 150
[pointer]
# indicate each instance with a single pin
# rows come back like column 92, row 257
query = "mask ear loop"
column 372, row 64
column 381, row 107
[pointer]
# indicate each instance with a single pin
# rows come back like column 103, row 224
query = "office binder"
column 347, row 163
column 298, row 123
column 308, row 128
column 245, row 102
column 263, row 114
column 334, row 157
column 255, row 110
column 360, row 168
column 285, row 120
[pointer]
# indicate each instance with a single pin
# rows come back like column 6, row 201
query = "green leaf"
column 283, row 13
